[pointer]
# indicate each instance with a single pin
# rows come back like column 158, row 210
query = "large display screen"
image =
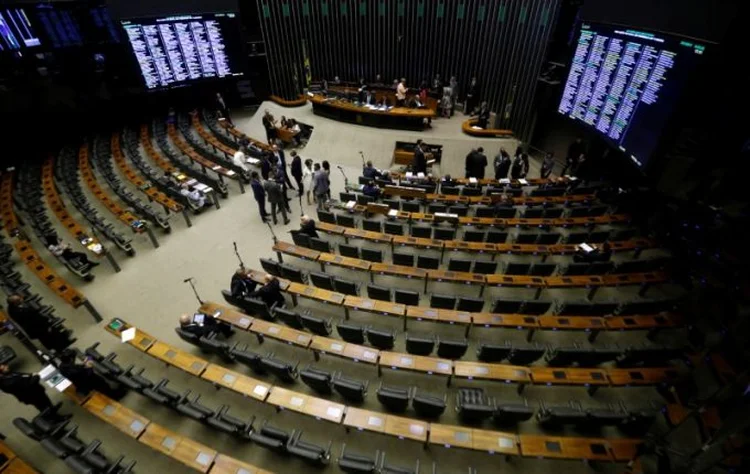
column 174, row 51
column 624, row 83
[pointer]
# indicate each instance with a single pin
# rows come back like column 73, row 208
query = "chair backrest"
column 533, row 213
column 536, row 307
column 300, row 239
column 345, row 286
column 525, row 354
column 548, row 238
column 474, row 235
column 453, row 350
column 394, row 204
column 371, row 225
column 270, row 266
column 601, row 268
column 444, row 234
column 394, row 398
column 421, row 231
column 419, row 345
column 577, row 237
column 472, row 191
column 346, row 197
column 470, row 304
column 507, row 306
column 485, row 267
column 435, row 207
column 318, row 380
column 351, row 389
column 406, row 259
column 291, row 318
column 526, row 238
column 316, row 325
column 459, row 265
column 351, row 332
column 345, row 221
column 517, row 268
column 599, row 237
column 428, row 263
column 394, row 228
column 505, row 213
column 553, row 212
column 259, row 307
column 459, row 210
column 321, row 280
column 449, row 190
column 372, row 255
column 442, row 301
column 492, row 352
column 543, row 269
column 327, row 217
column 380, row 293
column 381, row 339
column 292, row 273
column 349, row 250
column 406, row 297
column 496, row 237
column 410, row 206
column 320, row 245
column 364, row 200
column 576, row 269
column 428, row 406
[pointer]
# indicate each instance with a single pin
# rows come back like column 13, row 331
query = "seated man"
column 371, row 190
column 241, row 285
column 270, row 292
column 202, row 324
column 84, row 378
column 448, row 181
column 307, row 226
column 370, row 172
column 197, row 198
column 505, row 203
column 62, row 250
column 33, row 323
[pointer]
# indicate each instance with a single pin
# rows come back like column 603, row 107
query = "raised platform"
column 466, row 127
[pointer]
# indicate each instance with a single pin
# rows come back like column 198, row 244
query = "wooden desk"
column 332, row 229
column 344, row 262
column 467, row 125
column 356, row 303
column 301, row 403
column 397, row 117
column 240, row 383
column 406, row 428
column 495, row 442
column 224, row 464
column 316, row 294
column 499, row 372
column 456, row 277
column 117, row 415
column 428, row 365
column 623, row 449
column 641, row 376
column 184, row 450
column 175, row 357
column 451, row 436
column 18, row 466
column 569, row 376
column 469, row 247
column 586, row 323
column 228, row 315
column 593, row 449
column 518, row 321
column 516, row 280
column 340, row 348
column 296, row 251
column 142, row 340
column 398, row 270
column 364, row 420
column 648, row 321
column 281, row 333
column 376, row 237
column 418, row 242
column 188, row 150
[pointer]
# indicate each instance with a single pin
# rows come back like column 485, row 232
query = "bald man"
column 307, row 226
column 202, row 324
column 270, row 292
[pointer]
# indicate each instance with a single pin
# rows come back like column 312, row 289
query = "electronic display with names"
column 624, row 83
column 175, row 50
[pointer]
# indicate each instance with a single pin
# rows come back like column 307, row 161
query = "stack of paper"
column 351, row 204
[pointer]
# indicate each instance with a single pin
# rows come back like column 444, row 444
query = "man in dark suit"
column 260, row 195
column 484, row 115
column 476, row 162
column 420, row 161
column 202, row 324
column 270, row 292
column 241, row 285
column 370, row 171
column 31, row 321
column 296, row 167
column 472, row 95
column 307, row 226
column 25, row 387
column 84, row 378
column 279, row 161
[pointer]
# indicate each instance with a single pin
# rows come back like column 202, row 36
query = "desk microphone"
column 339, row 167
column 187, row 280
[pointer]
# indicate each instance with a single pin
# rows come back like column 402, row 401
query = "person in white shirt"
column 401, row 93
column 195, row 196
column 240, row 160
column 307, row 177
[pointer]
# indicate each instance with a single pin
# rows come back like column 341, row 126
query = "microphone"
column 187, row 280
column 339, row 167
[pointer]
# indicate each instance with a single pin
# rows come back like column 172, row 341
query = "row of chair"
column 60, row 438
column 66, row 172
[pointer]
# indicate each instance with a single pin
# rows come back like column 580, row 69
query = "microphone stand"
column 242, row 264
column 346, row 180
column 301, row 211
column 275, row 239
column 363, row 159
column 192, row 285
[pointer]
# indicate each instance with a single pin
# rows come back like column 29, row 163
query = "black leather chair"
column 351, row 389
column 358, row 464
column 484, row 211
column 420, row 345
column 291, row 318
column 320, row 245
column 351, row 332
column 394, row 204
column 319, row 380
column 312, row 454
column 391, row 469
column 393, row 228
column 259, row 308
column 453, row 350
column 193, row 408
column 490, row 352
column 536, row 307
column 473, row 407
column 496, row 237
column 543, row 269
column 345, row 286
column 406, row 259
column 428, row 263
column 427, row 405
column 270, row 266
column 509, row 414
column 517, row 268
column 349, row 250
column 382, row 339
column 435, row 207
column 474, row 235
column 327, row 217
column 249, row 358
column 525, row 354
column 441, row 233
column 507, row 306
column 162, row 394
column 421, row 231
column 484, row 267
column 379, row 293
column 227, row 423
column 345, row 221
column 284, row 371
column 270, row 437
column 300, row 239
column 346, row 197
column 442, row 301
column 372, row 225
column 292, row 273
column 526, row 238
column 321, row 280
column 317, row 325
column 548, row 238
column 371, row 255
column 470, row 304
column 459, row 265
column 559, row 416
column 410, row 298
column 395, row 399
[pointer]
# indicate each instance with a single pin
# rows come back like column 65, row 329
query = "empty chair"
column 470, row 304
column 581, row 211
column 351, row 332
column 382, row 339
column 505, row 213
column 563, row 356
column 442, row 301
column 320, row 245
column 453, row 350
column 391, row 469
column 543, row 269
column 441, row 233
column 449, row 190
column 622, row 234
column 574, row 269
column 601, row 268
column 526, row 238
column 375, row 256
column 597, row 211
column 585, row 308
column 648, row 355
column 419, row 345
column 364, row 200
column 410, row 298
column 321, row 280
column 311, row 453
column 395, row 399
column 319, row 380
column 558, row 416
column 610, row 416
column 460, row 210
column 357, row 464
column 599, row 237
column 345, row 286
column 533, row 213
column 393, row 228
column 225, row 422
column 553, row 212
column 459, row 265
column 427, row 405
column 162, row 394
column 484, row 211
column 284, row 371
column 292, row 273
column 577, row 237
column 421, row 231
column 346, row 197
column 316, row 325
column 525, row 354
column 351, row 389
column 349, row 250
column 517, row 268
column 485, row 267
column 327, row 217
column 193, row 409
column 394, row 204
column 291, row 318
column 435, row 207
column 345, row 221
column 508, row 414
column 548, row 238
column 270, row 437
column 507, row 306
column 270, row 266
column 410, row 206
column 473, row 407
column 405, row 259
column 300, row 239
column 474, row 235
column 249, row 358
column 645, row 307
column 258, row 307
column 211, row 345
column 428, row 263
column 496, row 236
column 380, row 293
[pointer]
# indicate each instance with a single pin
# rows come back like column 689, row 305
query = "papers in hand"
column 586, row 247
column 252, row 161
column 503, row 181
column 523, row 181
column 127, row 335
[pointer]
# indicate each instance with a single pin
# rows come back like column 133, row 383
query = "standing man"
column 501, row 164
column 279, row 161
column 547, row 165
column 270, row 126
column 575, row 150
column 320, row 185
column 484, row 115
column 223, row 110
column 476, row 162
column 472, row 96
column 420, row 160
column 260, row 195
column 25, row 387
column 33, row 323
column 276, row 197
column 296, row 167
column 401, row 93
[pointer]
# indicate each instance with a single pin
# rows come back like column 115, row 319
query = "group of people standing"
column 503, row 165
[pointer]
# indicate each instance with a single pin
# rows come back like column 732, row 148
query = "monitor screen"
column 177, row 50
column 624, row 83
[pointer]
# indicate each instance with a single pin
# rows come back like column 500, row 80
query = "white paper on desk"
column 503, row 181
column 217, row 167
column 523, row 181
column 420, row 175
column 392, row 213
column 473, row 181
column 47, row 371
column 191, row 182
column 586, row 247
column 351, row 204
column 474, row 127
column 571, row 178
column 409, row 175
column 230, row 173
column 252, row 161
column 127, row 335
column 64, row 384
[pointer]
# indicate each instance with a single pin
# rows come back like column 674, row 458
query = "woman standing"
column 307, row 176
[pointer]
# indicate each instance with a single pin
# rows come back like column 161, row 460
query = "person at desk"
column 448, row 181
column 386, row 177
column 31, row 321
column 378, row 81
column 222, row 107
column 270, row 125
column 401, row 93
column 547, row 164
column 362, row 91
column 276, row 197
column 307, row 226
column 270, row 292
column 483, row 115
column 204, row 325
column 62, row 250
column 259, row 193
column 598, row 254
column 419, row 165
column 501, row 164
column 369, row 171
column 476, row 162
column 472, row 95
column 370, row 189
column 241, row 284
column 240, row 160
column 84, row 378
column 197, row 198
column 25, row 387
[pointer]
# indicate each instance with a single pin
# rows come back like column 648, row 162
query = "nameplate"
column 297, row 401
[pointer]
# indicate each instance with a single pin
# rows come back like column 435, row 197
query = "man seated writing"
column 242, row 285
column 202, row 324
column 270, row 292
column 196, row 198
column 62, row 250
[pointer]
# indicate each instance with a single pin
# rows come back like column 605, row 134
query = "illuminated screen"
column 177, row 50
column 624, row 83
